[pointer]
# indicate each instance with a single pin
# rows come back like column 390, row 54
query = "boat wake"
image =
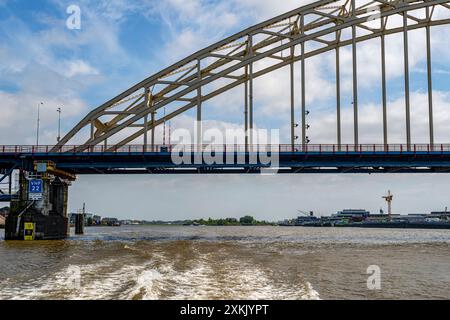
column 163, row 276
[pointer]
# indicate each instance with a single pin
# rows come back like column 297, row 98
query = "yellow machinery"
column 49, row 167
column 29, row 231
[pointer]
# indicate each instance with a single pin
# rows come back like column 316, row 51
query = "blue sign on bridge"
column 35, row 186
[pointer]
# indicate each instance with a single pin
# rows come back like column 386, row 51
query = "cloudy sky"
column 122, row 42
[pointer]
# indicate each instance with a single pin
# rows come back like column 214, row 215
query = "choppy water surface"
column 228, row 263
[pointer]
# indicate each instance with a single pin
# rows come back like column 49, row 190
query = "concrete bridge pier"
column 39, row 210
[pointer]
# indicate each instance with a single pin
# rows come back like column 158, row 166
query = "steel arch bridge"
column 122, row 131
column 119, row 141
column 326, row 25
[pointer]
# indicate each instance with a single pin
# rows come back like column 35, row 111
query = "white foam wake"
column 163, row 278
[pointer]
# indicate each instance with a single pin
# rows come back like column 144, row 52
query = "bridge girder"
column 230, row 63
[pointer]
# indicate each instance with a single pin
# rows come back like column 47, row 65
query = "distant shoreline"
column 178, row 225
column 221, row 222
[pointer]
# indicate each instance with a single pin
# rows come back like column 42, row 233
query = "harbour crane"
column 389, row 199
column 310, row 214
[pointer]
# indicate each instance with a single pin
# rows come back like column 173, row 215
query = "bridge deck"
column 233, row 159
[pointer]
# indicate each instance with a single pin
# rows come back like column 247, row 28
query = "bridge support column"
column 153, row 130
column 338, row 93
column 355, row 79
column 303, row 88
column 430, row 82
column 44, row 219
column 147, row 103
column 407, row 94
column 146, row 133
column 79, row 224
column 384, row 90
column 246, row 110
column 250, row 96
column 292, row 81
column 199, row 127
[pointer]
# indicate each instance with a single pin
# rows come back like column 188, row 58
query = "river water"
column 229, row 263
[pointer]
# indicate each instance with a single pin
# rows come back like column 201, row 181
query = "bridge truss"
column 311, row 30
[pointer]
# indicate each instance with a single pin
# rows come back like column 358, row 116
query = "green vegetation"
column 244, row 221
column 248, row 221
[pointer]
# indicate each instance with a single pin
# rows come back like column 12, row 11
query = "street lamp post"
column 59, row 124
column 38, row 122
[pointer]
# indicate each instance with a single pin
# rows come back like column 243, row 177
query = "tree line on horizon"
column 244, row 221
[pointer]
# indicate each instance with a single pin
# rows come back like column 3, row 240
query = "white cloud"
column 323, row 128
column 18, row 117
column 194, row 24
column 79, row 67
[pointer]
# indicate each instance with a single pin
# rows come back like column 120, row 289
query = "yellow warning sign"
column 29, row 231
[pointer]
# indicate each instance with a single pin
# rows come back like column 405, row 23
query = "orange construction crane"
column 389, row 199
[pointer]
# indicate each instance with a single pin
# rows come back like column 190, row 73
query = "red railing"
column 319, row 148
